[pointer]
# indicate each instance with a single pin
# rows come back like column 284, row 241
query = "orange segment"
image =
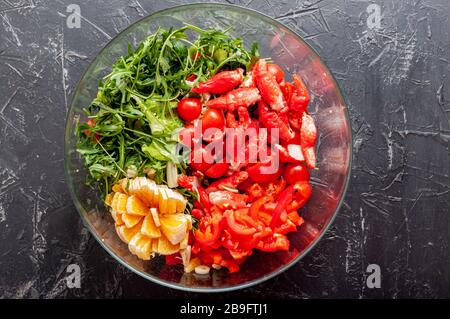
column 174, row 227
column 117, row 217
column 131, row 220
column 149, row 228
column 163, row 201
column 121, row 207
column 165, row 247
column 140, row 245
column 114, row 201
column 155, row 215
column 136, row 207
column 125, row 234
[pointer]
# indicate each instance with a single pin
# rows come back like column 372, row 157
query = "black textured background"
column 397, row 210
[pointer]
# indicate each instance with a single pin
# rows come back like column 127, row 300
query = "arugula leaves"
column 134, row 114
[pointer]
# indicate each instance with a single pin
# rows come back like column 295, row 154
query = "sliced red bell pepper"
column 256, row 206
column 221, row 82
column 237, row 228
column 209, row 229
column 273, row 243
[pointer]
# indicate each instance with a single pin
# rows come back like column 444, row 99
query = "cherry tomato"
column 217, row 170
column 262, row 172
column 294, row 173
column 212, row 119
column 189, row 108
column 186, row 136
column 276, row 71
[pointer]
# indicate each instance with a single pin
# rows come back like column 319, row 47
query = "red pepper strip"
column 269, row 88
column 229, row 182
column 209, row 230
column 273, row 120
column 244, row 118
column 249, row 81
column 295, row 119
column 256, row 206
column 231, row 265
column 197, row 213
column 237, row 228
column 221, row 82
column 286, row 227
column 283, row 201
column 203, row 198
column 243, row 97
column 295, row 218
column 273, row 243
column 266, row 218
column 308, row 137
column 300, row 98
column 288, row 90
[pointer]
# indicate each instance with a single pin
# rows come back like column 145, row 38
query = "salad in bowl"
column 201, row 149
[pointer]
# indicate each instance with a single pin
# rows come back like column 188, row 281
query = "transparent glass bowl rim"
column 162, row 282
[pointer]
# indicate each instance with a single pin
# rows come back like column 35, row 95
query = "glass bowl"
column 334, row 146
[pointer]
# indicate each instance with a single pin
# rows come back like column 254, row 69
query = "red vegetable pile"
column 242, row 205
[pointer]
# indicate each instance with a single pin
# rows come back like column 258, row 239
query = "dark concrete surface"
column 394, row 75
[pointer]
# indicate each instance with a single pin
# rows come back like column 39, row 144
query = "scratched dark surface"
column 395, row 78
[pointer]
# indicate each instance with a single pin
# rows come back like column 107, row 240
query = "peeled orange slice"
column 121, row 205
column 174, row 227
column 136, row 207
column 140, row 245
column 165, row 247
column 117, row 217
column 131, row 220
column 163, row 201
column 155, row 215
column 125, row 233
column 149, row 217
column 149, row 228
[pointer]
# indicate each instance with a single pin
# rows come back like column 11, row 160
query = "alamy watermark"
column 374, row 18
column 374, row 278
column 73, row 20
column 73, row 279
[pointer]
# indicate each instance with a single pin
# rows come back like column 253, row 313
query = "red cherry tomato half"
column 264, row 173
column 276, row 71
column 189, row 108
column 212, row 119
column 294, row 173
